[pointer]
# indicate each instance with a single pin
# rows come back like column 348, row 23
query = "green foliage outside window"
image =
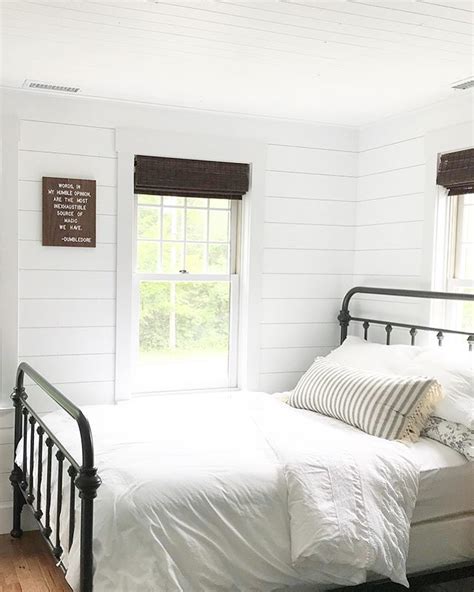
column 184, row 316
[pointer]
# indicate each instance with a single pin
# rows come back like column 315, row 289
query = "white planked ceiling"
column 337, row 61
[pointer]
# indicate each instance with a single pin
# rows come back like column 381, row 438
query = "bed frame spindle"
column 30, row 498
column 39, row 513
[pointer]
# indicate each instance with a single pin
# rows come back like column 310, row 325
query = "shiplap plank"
column 307, row 261
column 408, row 235
column 32, row 166
column 67, row 313
column 310, row 160
column 299, row 335
column 80, row 368
column 401, row 154
column 395, row 262
column 30, row 198
column 416, row 124
column 6, row 417
column 388, row 281
column 290, row 360
column 297, row 236
column 406, row 208
column 392, row 183
column 44, row 136
column 67, row 284
column 80, row 393
column 281, row 381
column 306, row 211
column 308, row 310
column 66, row 340
column 6, row 435
column 309, row 186
column 305, row 286
column 32, row 255
column 30, row 228
column 411, row 311
column 6, row 456
column 6, row 490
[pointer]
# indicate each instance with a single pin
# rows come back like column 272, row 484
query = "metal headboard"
column 345, row 317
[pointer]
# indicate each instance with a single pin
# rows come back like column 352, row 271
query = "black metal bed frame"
column 84, row 478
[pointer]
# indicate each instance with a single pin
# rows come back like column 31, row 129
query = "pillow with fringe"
column 455, row 435
column 391, row 407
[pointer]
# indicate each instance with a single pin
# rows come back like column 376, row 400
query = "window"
column 186, row 290
column 460, row 257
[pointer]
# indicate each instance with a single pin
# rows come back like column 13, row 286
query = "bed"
column 220, row 493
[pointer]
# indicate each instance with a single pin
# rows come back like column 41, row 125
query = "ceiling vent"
column 464, row 84
column 51, row 87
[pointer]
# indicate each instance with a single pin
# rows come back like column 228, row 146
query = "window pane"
column 218, row 259
column 196, row 202
column 219, row 203
column 195, row 258
column 173, row 201
column 196, row 225
column 148, row 257
column 173, row 260
column 173, row 224
column 149, row 199
column 466, row 262
column 184, row 335
column 467, row 223
column 148, row 222
column 465, row 242
column 218, row 226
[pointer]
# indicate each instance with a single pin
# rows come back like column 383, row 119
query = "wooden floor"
column 26, row 565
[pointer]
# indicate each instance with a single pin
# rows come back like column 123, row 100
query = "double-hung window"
column 456, row 232
column 186, row 286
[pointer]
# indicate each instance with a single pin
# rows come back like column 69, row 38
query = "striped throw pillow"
column 391, row 407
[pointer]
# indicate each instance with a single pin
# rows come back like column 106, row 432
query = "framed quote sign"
column 69, row 210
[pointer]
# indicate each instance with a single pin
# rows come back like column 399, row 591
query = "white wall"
column 66, row 297
column 395, row 203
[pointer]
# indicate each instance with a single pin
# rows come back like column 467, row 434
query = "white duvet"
column 214, row 493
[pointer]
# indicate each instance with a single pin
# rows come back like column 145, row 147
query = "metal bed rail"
column 28, row 480
column 345, row 317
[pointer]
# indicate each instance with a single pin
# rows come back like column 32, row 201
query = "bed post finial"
column 344, row 317
column 16, row 476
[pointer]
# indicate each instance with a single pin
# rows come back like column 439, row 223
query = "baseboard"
column 6, row 511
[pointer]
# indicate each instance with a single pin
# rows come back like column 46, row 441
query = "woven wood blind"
column 157, row 175
column 456, row 172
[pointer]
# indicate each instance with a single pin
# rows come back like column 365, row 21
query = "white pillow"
column 454, row 370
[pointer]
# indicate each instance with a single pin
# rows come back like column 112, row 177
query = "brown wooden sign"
column 69, row 212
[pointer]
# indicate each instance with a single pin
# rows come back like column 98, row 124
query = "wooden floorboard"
column 26, row 565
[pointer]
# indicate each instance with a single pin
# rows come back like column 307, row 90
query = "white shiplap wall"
column 67, row 296
column 308, row 256
column 392, row 229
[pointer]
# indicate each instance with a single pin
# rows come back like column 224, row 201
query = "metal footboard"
column 28, row 480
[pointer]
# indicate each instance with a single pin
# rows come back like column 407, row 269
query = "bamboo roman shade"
column 157, row 175
column 456, row 172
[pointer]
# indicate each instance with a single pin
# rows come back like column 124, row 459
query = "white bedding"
column 446, row 482
column 240, row 493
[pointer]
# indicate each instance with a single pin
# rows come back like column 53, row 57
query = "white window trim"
column 130, row 142
column 436, row 231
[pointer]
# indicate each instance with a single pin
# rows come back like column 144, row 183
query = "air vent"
column 51, row 87
column 464, row 84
